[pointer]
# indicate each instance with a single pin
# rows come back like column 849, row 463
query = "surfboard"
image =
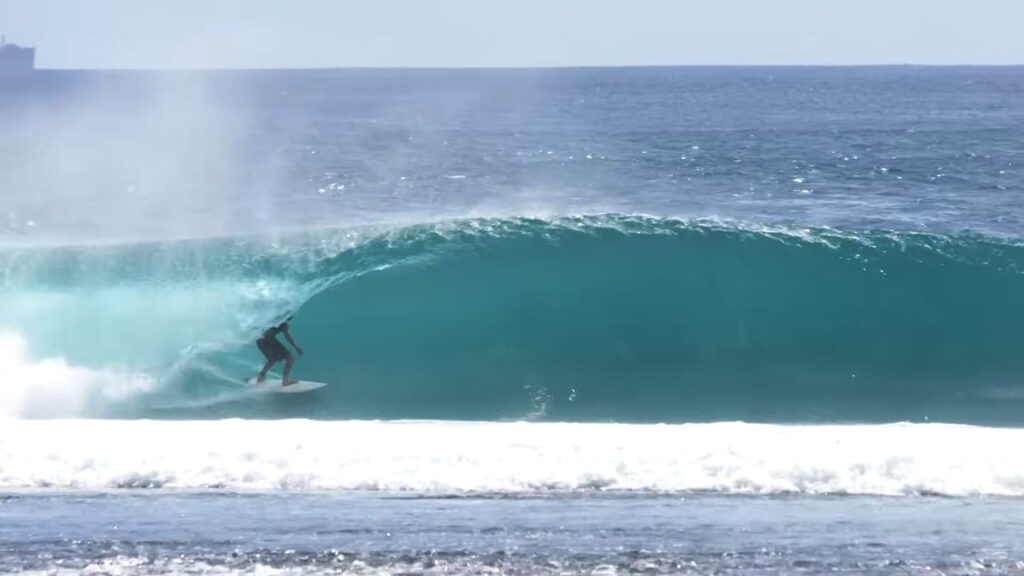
column 274, row 385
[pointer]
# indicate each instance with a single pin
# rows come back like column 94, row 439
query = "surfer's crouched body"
column 276, row 352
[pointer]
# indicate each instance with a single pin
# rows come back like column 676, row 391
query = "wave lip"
column 453, row 458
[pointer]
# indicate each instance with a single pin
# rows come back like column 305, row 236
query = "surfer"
column 276, row 352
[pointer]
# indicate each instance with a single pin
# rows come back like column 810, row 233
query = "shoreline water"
column 364, row 534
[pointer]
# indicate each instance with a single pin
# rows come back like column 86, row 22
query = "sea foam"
column 453, row 458
column 51, row 387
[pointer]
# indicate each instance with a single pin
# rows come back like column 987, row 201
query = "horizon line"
column 517, row 67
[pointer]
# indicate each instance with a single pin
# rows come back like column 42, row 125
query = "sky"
column 189, row 34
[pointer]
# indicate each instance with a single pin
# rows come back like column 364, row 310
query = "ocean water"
column 664, row 320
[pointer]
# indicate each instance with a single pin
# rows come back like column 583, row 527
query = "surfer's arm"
column 288, row 337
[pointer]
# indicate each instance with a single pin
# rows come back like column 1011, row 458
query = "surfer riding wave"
column 275, row 352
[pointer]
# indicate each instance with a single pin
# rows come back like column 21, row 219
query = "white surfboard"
column 274, row 385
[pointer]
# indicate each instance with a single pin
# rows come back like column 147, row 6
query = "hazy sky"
column 333, row 33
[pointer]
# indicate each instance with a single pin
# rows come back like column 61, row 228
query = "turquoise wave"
column 613, row 317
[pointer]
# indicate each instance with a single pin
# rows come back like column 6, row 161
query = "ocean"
column 696, row 320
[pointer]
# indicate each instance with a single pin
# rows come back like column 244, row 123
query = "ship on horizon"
column 14, row 58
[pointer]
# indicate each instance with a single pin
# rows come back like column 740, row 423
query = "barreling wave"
column 611, row 317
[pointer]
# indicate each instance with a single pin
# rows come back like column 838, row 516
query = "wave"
column 612, row 317
column 509, row 458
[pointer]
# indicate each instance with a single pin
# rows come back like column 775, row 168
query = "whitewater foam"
column 437, row 457
column 51, row 387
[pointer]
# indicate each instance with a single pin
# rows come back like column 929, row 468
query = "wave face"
column 622, row 318
column 509, row 458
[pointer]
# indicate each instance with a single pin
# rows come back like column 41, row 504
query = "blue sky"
column 455, row 33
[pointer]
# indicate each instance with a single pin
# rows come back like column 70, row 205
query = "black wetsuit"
column 271, row 347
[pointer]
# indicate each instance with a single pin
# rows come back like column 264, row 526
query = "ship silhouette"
column 14, row 58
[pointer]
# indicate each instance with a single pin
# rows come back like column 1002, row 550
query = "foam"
column 51, row 387
column 468, row 457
